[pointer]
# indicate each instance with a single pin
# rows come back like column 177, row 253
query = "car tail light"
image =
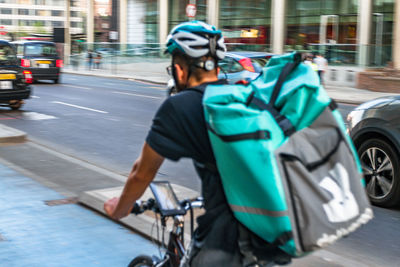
column 26, row 63
column 246, row 64
column 59, row 63
column 244, row 82
column 28, row 76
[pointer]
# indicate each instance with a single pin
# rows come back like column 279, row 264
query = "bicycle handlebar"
column 141, row 206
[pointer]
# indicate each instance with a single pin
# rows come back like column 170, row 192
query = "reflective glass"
column 177, row 11
column 246, row 22
column 151, row 21
column 381, row 32
column 325, row 26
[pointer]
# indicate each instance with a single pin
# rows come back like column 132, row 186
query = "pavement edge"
column 11, row 135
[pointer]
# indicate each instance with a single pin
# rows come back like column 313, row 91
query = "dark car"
column 13, row 79
column 240, row 66
column 41, row 58
column 237, row 67
column 375, row 129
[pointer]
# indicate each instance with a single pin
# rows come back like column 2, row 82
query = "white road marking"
column 139, row 95
column 35, row 96
column 80, row 107
column 34, row 116
column 143, row 82
column 74, row 86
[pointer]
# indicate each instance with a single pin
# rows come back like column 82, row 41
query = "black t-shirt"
column 179, row 131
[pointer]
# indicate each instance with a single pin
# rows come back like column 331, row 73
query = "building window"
column 317, row 26
column 6, row 11
column 74, row 14
column 40, row 2
column 57, row 24
column 24, row 2
column 44, row 13
column 247, row 22
column 177, row 11
column 23, row 11
column 57, row 13
column 6, row 22
column 23, row 22
column 382, row 32
column 150, row 20
column 38, row 23
column 76, row 24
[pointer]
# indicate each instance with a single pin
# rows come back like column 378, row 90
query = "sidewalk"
column 157, row 74
column 38, row 227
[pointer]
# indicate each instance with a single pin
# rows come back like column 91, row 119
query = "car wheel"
column 380, row 164
column 16, row 104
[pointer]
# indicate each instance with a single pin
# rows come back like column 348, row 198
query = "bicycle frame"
column 175, row 247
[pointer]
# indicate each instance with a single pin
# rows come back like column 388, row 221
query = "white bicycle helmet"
column 196, row 39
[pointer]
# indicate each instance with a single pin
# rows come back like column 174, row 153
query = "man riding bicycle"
column 179, row 130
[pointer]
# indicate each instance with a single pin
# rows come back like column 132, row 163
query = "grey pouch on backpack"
column 323, row 186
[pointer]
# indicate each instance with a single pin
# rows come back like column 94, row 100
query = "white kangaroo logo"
column 343, row 206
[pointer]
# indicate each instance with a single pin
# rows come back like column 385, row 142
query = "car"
column 41, row 58
column 236, row 67
column 242, row 66
column 374, row 127
column 14, row 81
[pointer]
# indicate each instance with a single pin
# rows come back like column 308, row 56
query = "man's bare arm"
column 143, row 172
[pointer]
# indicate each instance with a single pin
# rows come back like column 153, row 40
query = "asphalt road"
column 105, row 121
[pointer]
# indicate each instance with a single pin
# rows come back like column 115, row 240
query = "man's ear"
column 180, row 73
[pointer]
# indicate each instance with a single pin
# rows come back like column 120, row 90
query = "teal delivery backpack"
column 288, row 168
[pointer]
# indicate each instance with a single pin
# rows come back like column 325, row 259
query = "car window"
column 40, row 50
column 20, row 49
column 7, row 55
column 259, row 63
column 224, row 64
column 235, row 67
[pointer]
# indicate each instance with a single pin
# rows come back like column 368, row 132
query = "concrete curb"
column 11, row 135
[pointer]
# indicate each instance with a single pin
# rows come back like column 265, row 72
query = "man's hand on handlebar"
column 110, row 206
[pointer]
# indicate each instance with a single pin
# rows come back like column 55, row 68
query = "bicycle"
column 167, row 205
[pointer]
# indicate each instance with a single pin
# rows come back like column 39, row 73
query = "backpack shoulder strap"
column 287, row 69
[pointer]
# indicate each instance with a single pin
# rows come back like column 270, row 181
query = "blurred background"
column 359, row 38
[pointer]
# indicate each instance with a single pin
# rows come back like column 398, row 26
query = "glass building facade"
column 323, row 26
column 151, row 21
column 330, row 27
column 177, row 11
column 382, row 32
column 246, row 22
